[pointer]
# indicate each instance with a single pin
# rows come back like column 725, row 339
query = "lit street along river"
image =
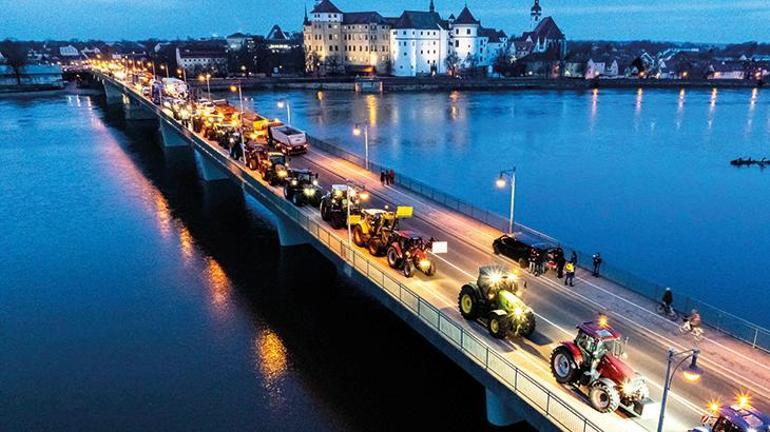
column 642, row 176
column 135, row 297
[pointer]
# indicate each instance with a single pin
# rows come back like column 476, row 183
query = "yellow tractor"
column 373, row 227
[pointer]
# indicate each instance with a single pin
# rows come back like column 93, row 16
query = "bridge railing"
column 725, row 322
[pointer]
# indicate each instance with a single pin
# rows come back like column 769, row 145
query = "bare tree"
column 15, row 55
column 452, row 61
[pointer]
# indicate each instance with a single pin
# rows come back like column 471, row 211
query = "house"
column 279, row 41
column 419, row 43
column 39, row 75
column 237, row 41
column 194, row 58
column 727, row 70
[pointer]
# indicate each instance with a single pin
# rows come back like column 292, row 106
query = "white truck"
column 175, row 88
column 287, row 140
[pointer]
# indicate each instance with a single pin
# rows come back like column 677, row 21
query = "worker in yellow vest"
column 569, row 273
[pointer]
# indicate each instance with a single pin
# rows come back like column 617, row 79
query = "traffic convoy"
column 593, row 364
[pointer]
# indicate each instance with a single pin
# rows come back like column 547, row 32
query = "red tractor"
column 594, row 363
column 408, row 251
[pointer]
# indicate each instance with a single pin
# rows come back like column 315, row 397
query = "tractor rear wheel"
column 297, row 200
column 563, row 366
column 286, row 193
column 408, row 268
column 325, row 212
column 527, row 325
column 469, row 303
column 604, row 396
column 394, row 261
column 252, row 164
column 495, row 326
column 336, row 221
column 375, row 247
column 358, row 236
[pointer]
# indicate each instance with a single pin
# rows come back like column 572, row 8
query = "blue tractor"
column 736, row 418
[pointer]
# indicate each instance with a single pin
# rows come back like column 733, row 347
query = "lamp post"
column 163, row 67
column 240, row 117
column 285, row 104
column 501, row 182
column 206, row 78
column 183, row 73
column 691, row 374
column 357, row 132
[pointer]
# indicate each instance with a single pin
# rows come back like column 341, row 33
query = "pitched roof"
column 493, row 36
column 276, row 33
column 326, row 6
column 419, row 20
column 362, row 18
column 236, row 35
column 547, row 29
column 466, row 17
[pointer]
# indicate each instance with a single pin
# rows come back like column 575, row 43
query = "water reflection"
column 218, row 284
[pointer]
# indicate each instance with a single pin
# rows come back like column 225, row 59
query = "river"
column 133, row 296
column 642, row 176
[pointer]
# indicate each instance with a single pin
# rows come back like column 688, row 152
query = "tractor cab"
column 304, row 177
column 493, row 279
column 595, row 340
column 735, row 418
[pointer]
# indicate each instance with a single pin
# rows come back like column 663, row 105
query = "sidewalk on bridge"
column 719, row 352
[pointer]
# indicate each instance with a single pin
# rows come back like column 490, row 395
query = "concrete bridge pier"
column 499, row 413
column 114, row 96
column 170, row 136
column 289, row 233
column 134, row 111
column 208, row 170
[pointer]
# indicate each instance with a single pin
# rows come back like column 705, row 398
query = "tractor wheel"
column 296, row 200
column 408, row 269
column 604, row 396
column 394, row 261
column 375, row 247
column 336, row 221
column 469, row 303
column 523, row 263
column 563, row 366
column 527, row 325
column 325, row 212
column 252, row 164
column 286, row 193
column 495, row 326
column 431, row 269
column 358, row 236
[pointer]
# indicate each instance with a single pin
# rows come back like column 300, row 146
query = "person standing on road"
column 540, row 264
column 532, row 261
column 597, row 263
column 570, row 274
column 392, row 176
column 573, row 258
column 382, row 177
column 560, row 262
column 668, row 299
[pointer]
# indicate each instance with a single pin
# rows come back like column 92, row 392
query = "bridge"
column 515, row 372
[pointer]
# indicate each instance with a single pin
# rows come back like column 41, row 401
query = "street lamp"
column 691, row 374
column 285, row 104
column 206, row 78
column 357, row 132
column 182, row 72
column 501, row 181
column 240, row 117
column 163, row 67
column 243, row 70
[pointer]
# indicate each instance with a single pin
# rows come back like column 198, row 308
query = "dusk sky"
column 669, row 20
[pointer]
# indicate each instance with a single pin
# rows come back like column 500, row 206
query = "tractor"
column 374, row 228
column 301, row 188
column 408, row 251
column 735, row 418
column 593, row 361
column 334, row 205
column 495, row 298
column 253, row 154
column 274, row 168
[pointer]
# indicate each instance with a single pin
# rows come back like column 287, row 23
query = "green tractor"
column 495, row 299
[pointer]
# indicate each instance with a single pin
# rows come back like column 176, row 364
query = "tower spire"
column 307, row 21
column 432, row 8
column 535, row 13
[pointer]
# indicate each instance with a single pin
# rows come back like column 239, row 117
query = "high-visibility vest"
column 570, row 267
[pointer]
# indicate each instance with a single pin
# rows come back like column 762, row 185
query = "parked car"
column 520, row 251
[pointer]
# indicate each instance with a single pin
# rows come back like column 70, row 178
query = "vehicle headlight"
column 294, row 182
column 517, row 312
column 282, row 173
column 309, row 191
column 424, row 264
column 315, row 182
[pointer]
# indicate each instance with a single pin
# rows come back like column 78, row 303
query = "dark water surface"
column 642, row 176
column 135, row 297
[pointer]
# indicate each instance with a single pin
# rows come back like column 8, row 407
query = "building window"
column 457, row 44
column 457, row 31
column 468, row 31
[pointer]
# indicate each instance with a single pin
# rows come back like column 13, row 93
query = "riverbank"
column 70, row 88
column 427, row 84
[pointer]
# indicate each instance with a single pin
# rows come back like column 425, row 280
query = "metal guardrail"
column 725, row 322
column 519, row 382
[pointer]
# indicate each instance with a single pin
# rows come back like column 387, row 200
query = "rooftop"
column 326, row 6
column 466, row 17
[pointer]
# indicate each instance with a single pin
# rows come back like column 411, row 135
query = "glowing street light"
column 240, row 117
column 206, row 78
column 285, row 104
column 357, row 132
column 163, row 67
column 691, row 374
column 501, row 182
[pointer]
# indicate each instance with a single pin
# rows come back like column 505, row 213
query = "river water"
column 642, row 176
column 135, row 297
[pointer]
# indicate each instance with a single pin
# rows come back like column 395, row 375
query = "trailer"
column 287, row 140
column 175, row 88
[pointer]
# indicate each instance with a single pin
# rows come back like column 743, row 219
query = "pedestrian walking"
column 573, row 258
column 569, row 278
column 597, row 263
column 392, row 176
column 560, row 262
column 382, row 177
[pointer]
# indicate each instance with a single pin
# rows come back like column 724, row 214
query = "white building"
column 419, row 43
column 194, row 59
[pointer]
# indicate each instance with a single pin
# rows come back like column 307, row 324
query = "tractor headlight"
column 282, row 173
column 294, row 182
column 309, row 191
column 518, row 311
column 424, row 264
column 315, row 182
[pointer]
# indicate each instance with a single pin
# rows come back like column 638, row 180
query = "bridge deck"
column 731, row 366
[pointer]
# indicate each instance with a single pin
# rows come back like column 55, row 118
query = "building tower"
column 535, row 13
column 432, row 8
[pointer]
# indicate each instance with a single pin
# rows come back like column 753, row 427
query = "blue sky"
column 673, row 20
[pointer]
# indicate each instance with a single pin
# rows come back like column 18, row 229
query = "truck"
column 287, row 140
column 175, row 88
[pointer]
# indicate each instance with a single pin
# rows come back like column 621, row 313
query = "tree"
column 332, row 64
column 502, row 62
column 15, row 55
column 312, row 62
column 452, row 62
column 472, row 63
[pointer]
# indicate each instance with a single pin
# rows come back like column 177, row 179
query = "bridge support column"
column 207, row 169
column 289, row 233
column 499, row 413
column 114, row 96
column 134, row 111
column 171, row 137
